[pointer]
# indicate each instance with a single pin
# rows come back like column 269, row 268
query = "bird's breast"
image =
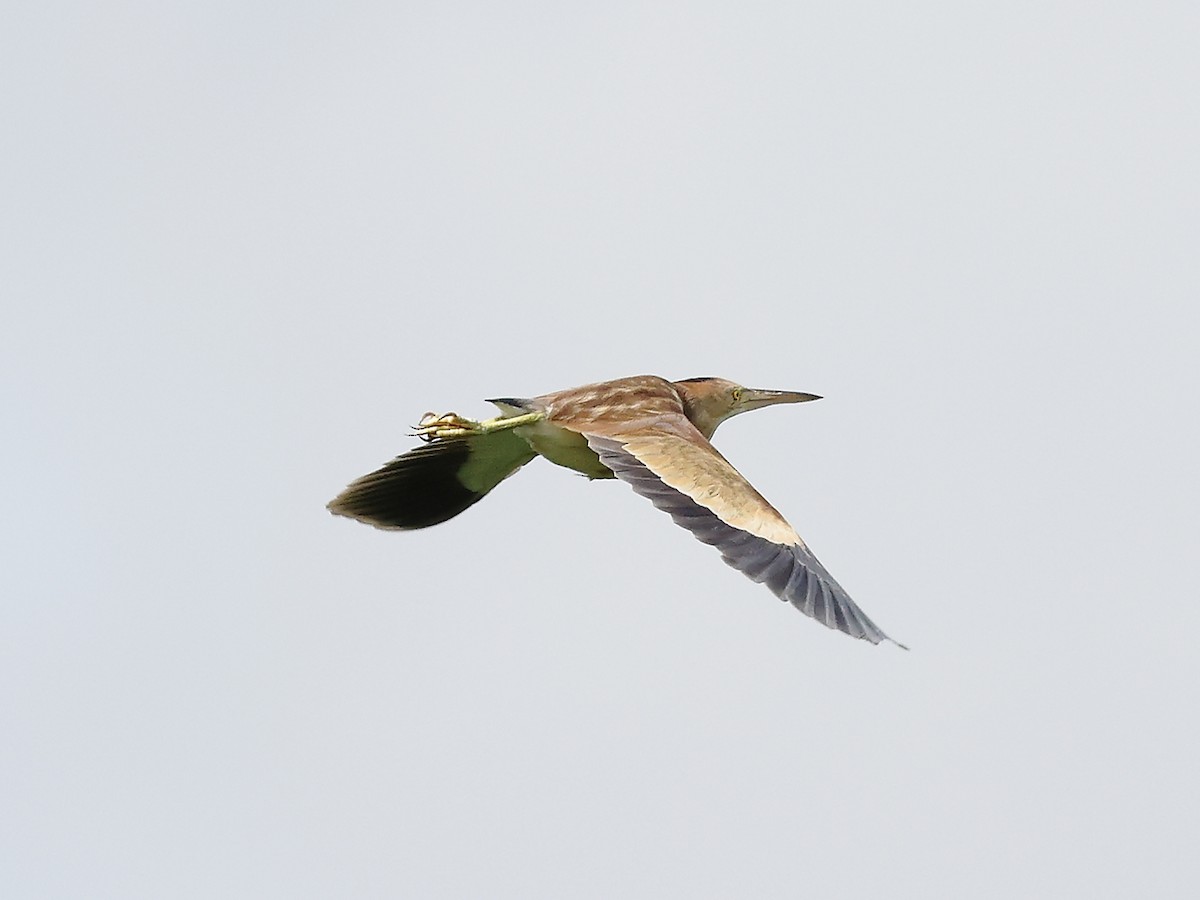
column 564, row 448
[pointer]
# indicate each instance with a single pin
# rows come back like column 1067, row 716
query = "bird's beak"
column 757, row 399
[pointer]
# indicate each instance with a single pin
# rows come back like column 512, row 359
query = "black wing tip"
column 339, row 507
column 387, row 514
column 416, row 490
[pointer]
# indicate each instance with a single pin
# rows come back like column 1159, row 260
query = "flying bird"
column 652, row 434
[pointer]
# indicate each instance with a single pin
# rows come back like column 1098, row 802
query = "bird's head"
column 710, row 401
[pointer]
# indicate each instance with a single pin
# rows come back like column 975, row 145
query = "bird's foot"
column 433, row 427
column 449, row 426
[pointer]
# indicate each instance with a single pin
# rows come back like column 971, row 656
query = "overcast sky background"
column 245, row 246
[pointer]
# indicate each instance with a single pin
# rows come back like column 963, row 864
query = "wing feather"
column 432, row 483
column 719, row 512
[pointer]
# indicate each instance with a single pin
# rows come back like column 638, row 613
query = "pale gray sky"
column 244, row 246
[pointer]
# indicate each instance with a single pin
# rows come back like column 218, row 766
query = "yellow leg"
column 448, row 426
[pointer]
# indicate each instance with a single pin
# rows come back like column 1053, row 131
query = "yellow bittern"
column 649, row 432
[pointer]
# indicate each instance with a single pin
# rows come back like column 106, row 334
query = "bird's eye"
column 737, row 395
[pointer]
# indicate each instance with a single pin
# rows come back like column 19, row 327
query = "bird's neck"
column 704, row 412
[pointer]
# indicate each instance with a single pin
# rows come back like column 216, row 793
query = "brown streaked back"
column 611, row 406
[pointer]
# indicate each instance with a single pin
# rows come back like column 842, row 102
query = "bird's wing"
column 432, row 483
column 680, row 472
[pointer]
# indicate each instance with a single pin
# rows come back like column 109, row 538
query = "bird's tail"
column 432, row 483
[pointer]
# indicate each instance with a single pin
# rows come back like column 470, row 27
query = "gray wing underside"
column 792, row 572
